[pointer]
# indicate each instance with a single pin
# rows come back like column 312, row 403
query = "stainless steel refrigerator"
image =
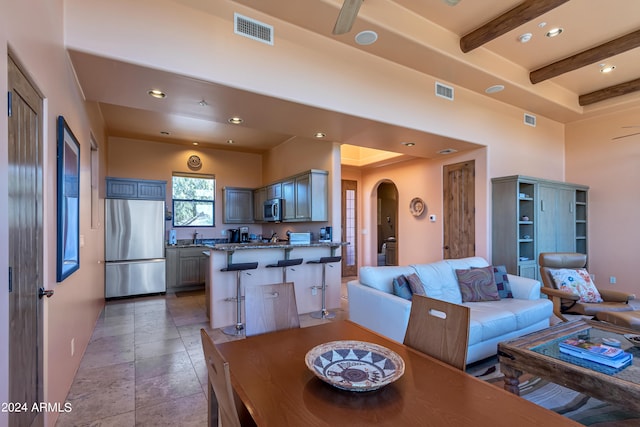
column 134, row 247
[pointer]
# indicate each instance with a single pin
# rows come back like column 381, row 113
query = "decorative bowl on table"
column 633, row 339
column 355, row 365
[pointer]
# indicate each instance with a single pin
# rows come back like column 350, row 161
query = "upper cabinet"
column 531, row 216
column 125, row 188
column 238, row 205
column 306, row 197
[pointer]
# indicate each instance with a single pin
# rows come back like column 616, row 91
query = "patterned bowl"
column 355, row 365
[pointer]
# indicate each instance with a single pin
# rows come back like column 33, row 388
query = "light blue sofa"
column 372, row 304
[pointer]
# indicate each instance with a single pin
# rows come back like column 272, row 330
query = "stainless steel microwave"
column 273, row 210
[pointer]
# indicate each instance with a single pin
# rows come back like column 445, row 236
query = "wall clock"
column 194, row 162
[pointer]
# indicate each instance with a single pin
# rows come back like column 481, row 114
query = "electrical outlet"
column 612, row 280
column 73, row 346
column 223, row 232
column 314, row 290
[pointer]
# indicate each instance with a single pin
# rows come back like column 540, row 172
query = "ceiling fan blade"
column 347, row 16
column 625, row 136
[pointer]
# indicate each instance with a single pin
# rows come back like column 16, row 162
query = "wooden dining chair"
column 439, row 329
column 220, row 389
column 270, row 308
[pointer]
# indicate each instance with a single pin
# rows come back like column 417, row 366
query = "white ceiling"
column 404, row 28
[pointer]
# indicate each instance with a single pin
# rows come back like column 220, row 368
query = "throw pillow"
column 401, row 287
column 416, row 285
column 502, row 281
column 577, row 282
column 477, row 284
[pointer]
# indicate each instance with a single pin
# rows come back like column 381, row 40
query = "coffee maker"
column 234, row 235
column 244, row 234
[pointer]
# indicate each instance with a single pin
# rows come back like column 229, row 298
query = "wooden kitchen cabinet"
column 186, row 268
column 259, row 197
column 306, row 197
column 238, row 205
column 125, row 188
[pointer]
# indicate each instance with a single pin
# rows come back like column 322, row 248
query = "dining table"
column 270, row 378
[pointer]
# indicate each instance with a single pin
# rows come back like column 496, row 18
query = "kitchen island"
column 307, row 278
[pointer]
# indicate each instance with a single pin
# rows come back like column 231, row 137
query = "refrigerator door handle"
column 136, row 261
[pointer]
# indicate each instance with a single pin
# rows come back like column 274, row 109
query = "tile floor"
column 144, row 364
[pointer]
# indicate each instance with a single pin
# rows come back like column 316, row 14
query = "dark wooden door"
column 350, row 228
column 459, row 210
column 25, row 248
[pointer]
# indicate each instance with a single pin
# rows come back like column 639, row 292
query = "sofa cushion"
column 381, row 278
column 401, row 287
column 415, row 284
column 439, row 281
column 477, row 284
column 496, row 318
column 576, row 281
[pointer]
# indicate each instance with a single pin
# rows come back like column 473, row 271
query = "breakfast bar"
column 307, row 278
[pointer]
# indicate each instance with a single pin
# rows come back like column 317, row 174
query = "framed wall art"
column 68, row 222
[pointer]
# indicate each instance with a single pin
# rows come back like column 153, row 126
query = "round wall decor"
column 417, row 206
column 194, row 162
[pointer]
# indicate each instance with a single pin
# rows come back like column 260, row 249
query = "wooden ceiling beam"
column 587, row 57
column 609, row 92
column 519, row 15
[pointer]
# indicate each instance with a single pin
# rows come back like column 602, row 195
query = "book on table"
column 599, row 353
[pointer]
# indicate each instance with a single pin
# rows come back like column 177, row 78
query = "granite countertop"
column 269, row 245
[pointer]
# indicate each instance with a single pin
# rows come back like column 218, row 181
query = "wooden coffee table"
column 538, row 354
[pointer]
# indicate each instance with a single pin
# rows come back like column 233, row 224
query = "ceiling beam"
column 587, row 57
column 609, row 92
column 519, row 15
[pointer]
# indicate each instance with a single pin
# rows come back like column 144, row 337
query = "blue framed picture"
column 68, row 180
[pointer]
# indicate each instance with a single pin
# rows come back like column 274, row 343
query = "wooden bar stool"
column 238, row 328
column 324, row 313
column 284, row 263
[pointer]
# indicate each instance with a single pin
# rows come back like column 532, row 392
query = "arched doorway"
column 387, row 220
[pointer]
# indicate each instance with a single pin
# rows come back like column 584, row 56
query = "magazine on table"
column 600, row 353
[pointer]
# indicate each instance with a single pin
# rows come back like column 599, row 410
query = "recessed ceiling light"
column 607, row 68
column 494, row 89
column 230, row 141
column 525, row 37
column 157, row 93
column 447, row 151
column 542, row 24
column 319, row 135
column 452, row 2
column 164, row 132
column 366, row 37
column 194, row 143
column 235, row 120
column 408, row 144
column 203, row 103
column 554, row 32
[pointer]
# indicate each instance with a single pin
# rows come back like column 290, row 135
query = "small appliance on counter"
column 244, row 234
column 234, row 235
column 325, row 234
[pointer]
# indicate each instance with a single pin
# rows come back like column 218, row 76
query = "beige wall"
column 33, row 32
column 612, row 171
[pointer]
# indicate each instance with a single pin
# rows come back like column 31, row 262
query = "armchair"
column 564, row 302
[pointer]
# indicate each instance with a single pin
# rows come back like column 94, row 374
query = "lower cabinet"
column 186, row 268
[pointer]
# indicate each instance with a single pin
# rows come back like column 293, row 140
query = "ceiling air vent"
column 529, row 119
column 444, row 91
column 253, row 29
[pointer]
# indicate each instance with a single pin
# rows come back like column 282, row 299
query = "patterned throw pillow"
column 416, row 284
column 401, row 287
column 478, row 284
column 577, row 282
column 502, row 281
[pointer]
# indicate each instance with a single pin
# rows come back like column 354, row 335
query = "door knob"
column 45, row 292
column 446, row 247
